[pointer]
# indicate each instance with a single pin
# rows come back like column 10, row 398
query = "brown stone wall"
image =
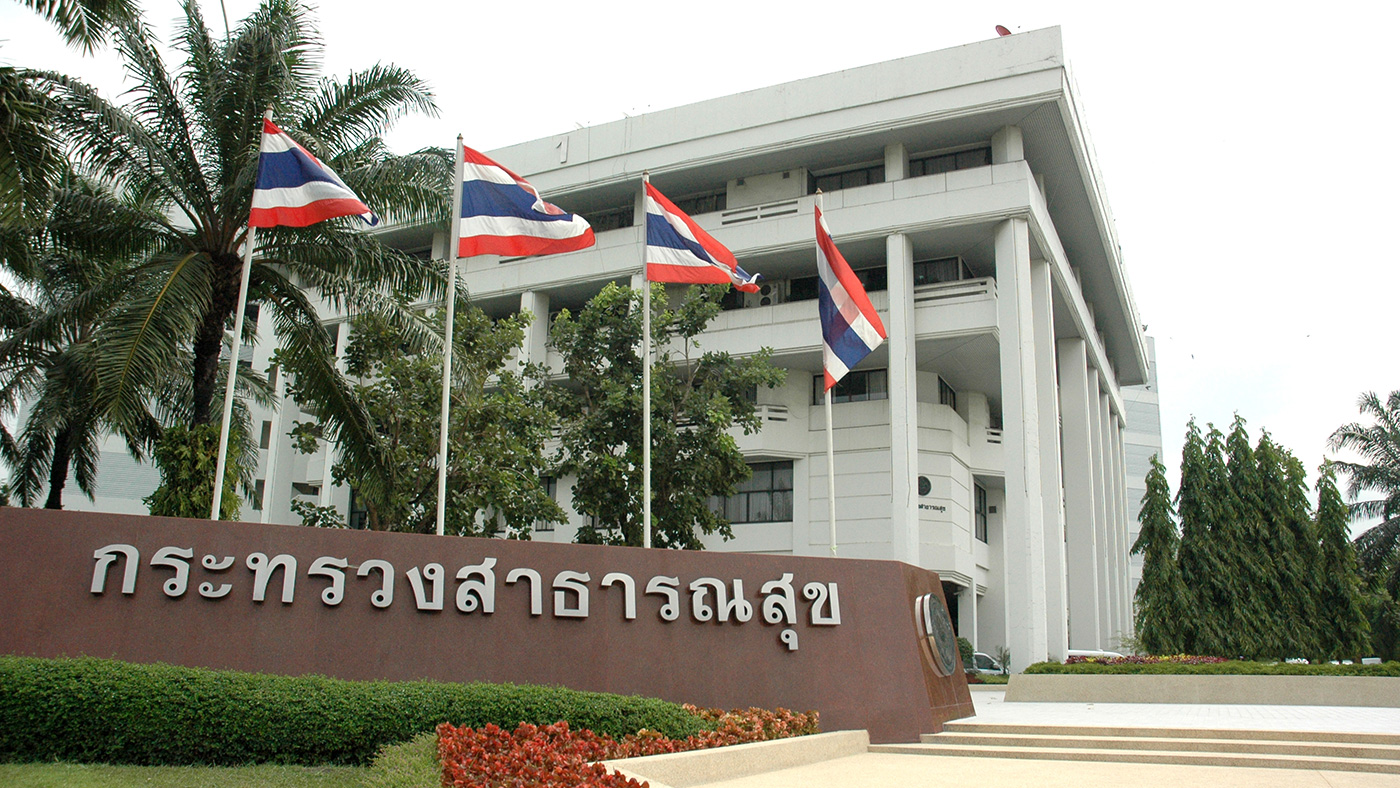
column 869, row 671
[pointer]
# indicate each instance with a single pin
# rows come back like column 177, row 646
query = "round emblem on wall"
column 925, row 486
column 936, row 631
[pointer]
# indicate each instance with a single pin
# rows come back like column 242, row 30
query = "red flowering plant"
column 553, row 756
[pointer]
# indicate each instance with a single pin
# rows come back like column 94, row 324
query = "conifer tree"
column 1202, row 571
column 1236, row 620
column 1257, row 627
column 1160, row 600
column 1297, row 556
column 1344, row 625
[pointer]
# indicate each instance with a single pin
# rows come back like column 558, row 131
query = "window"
column 846, row 179
column 359, row 513
column 947, row 162
column 266, row 439
column 860, row 386
column 872, row 279
column 946, row 394
column 947, row 269
column 765, row 498
column 258, row 487
column 979, row 513
column 551, row 486
column 708, row 202
column 610, row 218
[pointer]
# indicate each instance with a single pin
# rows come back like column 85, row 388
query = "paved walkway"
column 880, row 770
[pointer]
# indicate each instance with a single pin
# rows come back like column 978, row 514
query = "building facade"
column 986, row 438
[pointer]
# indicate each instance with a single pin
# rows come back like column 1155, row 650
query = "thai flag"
column 503, row 214
column 294, row 189
column 679, row 251
column 850, row 327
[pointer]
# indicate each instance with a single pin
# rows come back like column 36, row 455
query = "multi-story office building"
column 985, row 438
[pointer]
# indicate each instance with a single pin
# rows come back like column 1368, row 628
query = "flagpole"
column 830, row 443
column 222, row 463
column 646, row 377
column 452, row 243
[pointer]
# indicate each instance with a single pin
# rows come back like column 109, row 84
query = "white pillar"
column 1024, row 545
column 1052, row 502
column 1124, row 583
column 967, row 614
column 1081, row 548
column 896, row 162
column 327, row 453
column 1101, row 509
column 1008, row 145
column 536, row 305
column 1110, row 523
column 904, row 407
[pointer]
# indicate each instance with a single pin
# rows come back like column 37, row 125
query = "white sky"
column 1247, row 155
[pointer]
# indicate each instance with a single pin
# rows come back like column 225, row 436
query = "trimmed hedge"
column 1231, row 668
column 103, row 711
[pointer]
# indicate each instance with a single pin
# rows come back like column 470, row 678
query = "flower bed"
column 553, row 756
column 1173, row 659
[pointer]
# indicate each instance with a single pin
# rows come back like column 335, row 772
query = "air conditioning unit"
column 769, row 294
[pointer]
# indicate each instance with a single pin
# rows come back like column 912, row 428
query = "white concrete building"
column 985, row 440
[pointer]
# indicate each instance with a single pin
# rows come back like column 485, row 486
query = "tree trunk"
column 58, row 469
column 209, row 340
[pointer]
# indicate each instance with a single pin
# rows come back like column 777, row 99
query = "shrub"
column 1215, row 666
column 555, row 756
column 103, row 711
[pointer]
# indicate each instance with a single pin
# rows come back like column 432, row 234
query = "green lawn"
column 409, row 765
column 77, row 775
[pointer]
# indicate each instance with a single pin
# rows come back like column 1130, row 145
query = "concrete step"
column 1204, row 745
column 1258, row 761
column 1391, row 739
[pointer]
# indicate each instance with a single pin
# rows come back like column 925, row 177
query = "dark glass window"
column 803, row 289
column 806, row 288
column 858, row 386
column 359, row 513
column 847, row 179
column 946, row 269
column 610, row 218
column 703, row 203
column 979, row 513
column 947, row 162
column 765, row 498
column 551, row 487
column 946, row 394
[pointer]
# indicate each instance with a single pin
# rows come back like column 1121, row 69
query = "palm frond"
column 84, row 23
column 363, row 106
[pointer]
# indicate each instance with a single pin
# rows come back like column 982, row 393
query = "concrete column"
column 896, row 162
column 1101, row 548
column 1124, row 581
column 536, row 305
column 904, row 407
column 1007, row 145
column 967, row 614
column 1110, row 530
column 1024, row 543
column 1081, row 550
column 1052, row 502
column 327, row 454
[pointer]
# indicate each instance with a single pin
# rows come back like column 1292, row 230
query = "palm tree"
column 84, row 23
column 187, row 144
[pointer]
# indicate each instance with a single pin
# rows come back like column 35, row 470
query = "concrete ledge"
column 1371, row 691
column 683, row 769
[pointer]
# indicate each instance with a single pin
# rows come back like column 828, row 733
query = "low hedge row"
column 1230, row 668
column 102, row 711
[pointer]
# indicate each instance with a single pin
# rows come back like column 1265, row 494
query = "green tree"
column 187, row 142
column 1343, row 619
column 1259, row 628
column 1160, row 600
column 696, row 401
column 1203, row 568
column 496, row 437
column 1291, row 540
column 84, row 23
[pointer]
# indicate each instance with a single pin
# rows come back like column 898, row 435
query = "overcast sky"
column 1248, row 158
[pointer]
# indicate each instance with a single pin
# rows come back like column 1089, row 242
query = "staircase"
column 1348, row 752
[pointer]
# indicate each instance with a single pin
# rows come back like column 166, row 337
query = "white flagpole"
column 830, row 445
column 452, row 243
column 222, row 463
column 646, row 380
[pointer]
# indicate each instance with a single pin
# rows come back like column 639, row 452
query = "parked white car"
column 985, row 664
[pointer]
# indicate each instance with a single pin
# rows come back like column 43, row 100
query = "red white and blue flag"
column 295, row 189
column 503, row 214
column 678, row 250
column 851, row 329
